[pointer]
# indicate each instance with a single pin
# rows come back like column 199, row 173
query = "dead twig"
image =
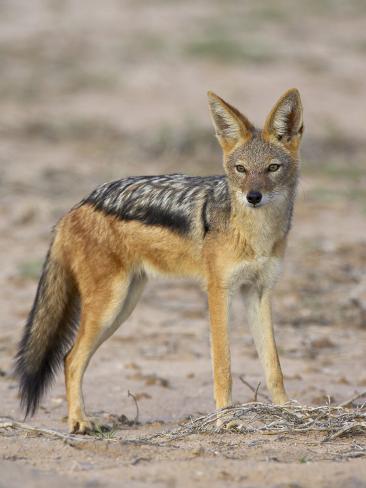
column 7, row 424
column 349, row 402
column 254, row 390
column 353, row 426
column 136, row 421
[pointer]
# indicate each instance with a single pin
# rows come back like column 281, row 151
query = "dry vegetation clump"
column 266, row 418
column 248, row 418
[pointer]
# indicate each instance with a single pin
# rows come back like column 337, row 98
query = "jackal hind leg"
column 104, row 309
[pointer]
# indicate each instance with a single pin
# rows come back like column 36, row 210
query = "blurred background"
column 92, row 91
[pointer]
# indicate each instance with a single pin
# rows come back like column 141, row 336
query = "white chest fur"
column 259, row 272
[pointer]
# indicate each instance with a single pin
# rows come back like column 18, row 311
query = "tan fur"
column 110, row 259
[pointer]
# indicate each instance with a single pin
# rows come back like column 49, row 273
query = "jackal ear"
column 285, row 121
column 230, row 125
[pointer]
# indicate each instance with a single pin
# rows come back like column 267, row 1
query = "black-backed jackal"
column 228, row 231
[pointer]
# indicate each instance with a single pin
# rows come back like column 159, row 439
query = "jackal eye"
column 240, row 168
column 273, row 167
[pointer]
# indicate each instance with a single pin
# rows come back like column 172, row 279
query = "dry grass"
column 254, row 417
column 265, row 418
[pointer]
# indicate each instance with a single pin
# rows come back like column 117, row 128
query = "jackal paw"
column 280, row 399
column 82, row 426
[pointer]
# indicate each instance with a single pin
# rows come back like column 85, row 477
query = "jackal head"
column 261, row 165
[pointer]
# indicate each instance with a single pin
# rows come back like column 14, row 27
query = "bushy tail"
column 48, row 333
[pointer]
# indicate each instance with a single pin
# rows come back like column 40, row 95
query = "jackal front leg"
column 220, row 348
column 260, row 321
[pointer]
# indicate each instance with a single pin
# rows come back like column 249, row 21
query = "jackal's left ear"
column 230, row 125
column 285, row 122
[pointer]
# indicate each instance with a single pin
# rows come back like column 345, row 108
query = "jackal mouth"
column 256, row 205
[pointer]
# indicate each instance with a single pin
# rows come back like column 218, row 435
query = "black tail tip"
column 31, row 388
column 30, row 392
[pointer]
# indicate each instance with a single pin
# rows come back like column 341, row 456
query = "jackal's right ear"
column 230, row 125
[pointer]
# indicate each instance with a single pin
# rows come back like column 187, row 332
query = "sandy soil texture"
column 91, row 91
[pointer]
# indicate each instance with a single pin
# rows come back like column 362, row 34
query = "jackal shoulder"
column 183, row 204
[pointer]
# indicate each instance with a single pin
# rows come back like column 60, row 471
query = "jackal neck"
column 264, row 226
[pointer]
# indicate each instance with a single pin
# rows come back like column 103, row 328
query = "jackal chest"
column 261, row 271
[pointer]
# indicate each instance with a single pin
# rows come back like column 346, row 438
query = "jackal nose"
column 254, row 197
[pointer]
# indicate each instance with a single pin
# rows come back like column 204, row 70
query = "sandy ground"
column 92, row 91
